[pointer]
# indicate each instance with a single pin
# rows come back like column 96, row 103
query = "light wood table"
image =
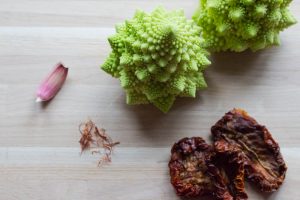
column 39, row 150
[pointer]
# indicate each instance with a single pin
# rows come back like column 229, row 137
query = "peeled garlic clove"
column 52, row 84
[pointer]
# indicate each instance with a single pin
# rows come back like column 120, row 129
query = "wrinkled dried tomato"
column 230, row 162
column 192, row 171
column 263, row 161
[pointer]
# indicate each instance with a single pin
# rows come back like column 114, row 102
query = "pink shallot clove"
column 52, row 84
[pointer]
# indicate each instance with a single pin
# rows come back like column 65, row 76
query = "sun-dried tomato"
column 263, row 161
column 192, row 171
column 230, row 162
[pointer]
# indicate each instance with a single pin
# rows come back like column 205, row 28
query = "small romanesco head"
column 157, row 57
column 237, row 25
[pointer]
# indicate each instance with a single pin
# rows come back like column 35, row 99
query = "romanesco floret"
column 157, row 57
column 237, row 25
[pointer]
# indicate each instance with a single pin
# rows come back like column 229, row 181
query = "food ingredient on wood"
column 242, row 149
column 237, row 25
column 263, row 161
column 230, row 162
column 192, row 171
column 95, row 139
column 86, row 139
column 52, row 84
column 157, row 57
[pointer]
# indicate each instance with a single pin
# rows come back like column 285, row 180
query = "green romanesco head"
column 237, row 25
column 157, row 57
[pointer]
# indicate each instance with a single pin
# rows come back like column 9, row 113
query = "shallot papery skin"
column 52, row 84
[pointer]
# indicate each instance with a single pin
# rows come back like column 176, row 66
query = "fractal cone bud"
column 157, row 57
column 237, row 25
column 52, row 84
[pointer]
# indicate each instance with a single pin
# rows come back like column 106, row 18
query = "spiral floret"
column 157, row 57
column 238, row 25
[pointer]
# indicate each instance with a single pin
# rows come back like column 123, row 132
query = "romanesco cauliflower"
column 237, row 25
column 157, row 57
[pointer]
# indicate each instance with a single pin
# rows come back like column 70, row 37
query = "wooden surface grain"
column 39, row 150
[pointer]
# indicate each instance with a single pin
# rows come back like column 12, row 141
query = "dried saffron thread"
column 95, row 139
column 86, row 137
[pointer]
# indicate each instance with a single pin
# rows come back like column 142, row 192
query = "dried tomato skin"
column 265, row 184
column 221, row 191
column 263, row 161
column 192, row 171
column 231, row 160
